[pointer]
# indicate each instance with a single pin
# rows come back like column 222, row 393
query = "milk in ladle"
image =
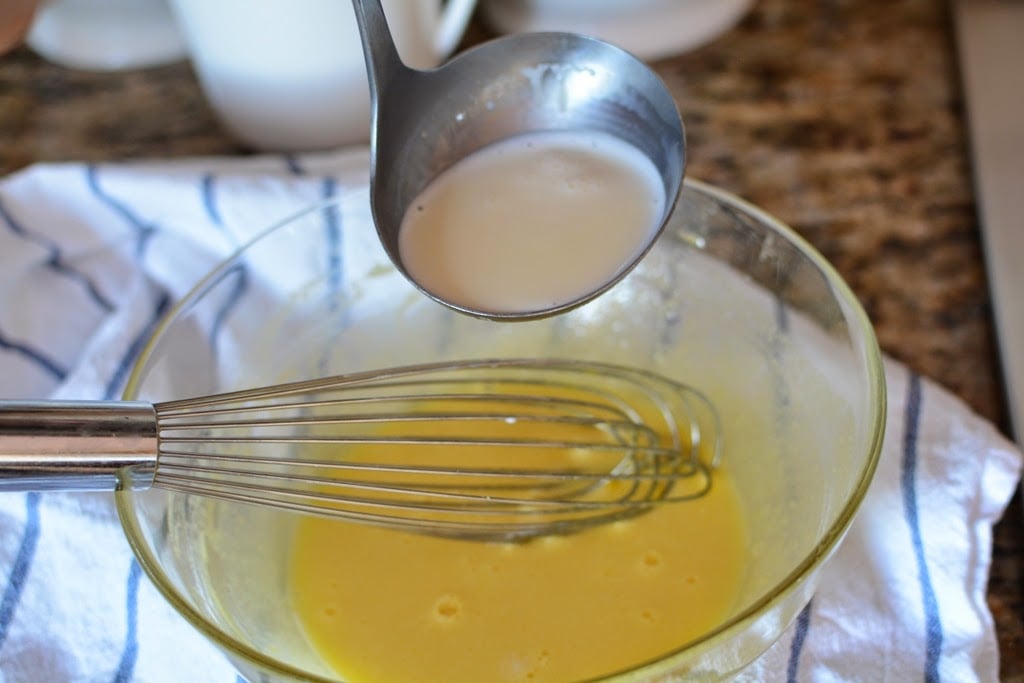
column 533, row 222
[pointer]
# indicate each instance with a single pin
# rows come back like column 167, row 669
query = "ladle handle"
column 379, row 50
column 77, row 445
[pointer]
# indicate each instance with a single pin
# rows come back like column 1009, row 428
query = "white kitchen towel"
column 91, row 256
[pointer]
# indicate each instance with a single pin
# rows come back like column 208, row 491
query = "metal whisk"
column 482, row 449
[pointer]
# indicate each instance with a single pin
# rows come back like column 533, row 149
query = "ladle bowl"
column 426, row 121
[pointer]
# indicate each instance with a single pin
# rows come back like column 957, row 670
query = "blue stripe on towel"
column 239, row 270
column 263, row 678
column 933, row 623
column 143, row 230
column 37, row 357
column 126, row 666
column 210, row 200
column 332, row 237
column 241, row 283
column 294, row 167
column 130, row 653
column 55, row 264
column 803, row 625
column 22, row 564
column 332, row 226
column 782, row 402
column 121, row 372
column 55, row 260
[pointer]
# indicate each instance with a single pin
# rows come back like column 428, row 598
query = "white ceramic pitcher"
column 289, row 75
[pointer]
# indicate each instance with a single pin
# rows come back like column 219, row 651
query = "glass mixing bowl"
column 729, row 300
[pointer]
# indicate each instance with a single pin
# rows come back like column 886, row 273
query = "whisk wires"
column 479, row 449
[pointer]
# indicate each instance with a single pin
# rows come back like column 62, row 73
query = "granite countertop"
column 845, row 119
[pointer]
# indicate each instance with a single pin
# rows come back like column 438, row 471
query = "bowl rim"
column 828, row 540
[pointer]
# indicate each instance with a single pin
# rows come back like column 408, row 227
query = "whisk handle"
column 77, row 445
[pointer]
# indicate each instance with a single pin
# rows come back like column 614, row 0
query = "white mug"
column 105, row 35
column 650, row 29
column 289, row 75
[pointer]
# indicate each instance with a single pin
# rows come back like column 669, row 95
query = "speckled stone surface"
column 843, row 118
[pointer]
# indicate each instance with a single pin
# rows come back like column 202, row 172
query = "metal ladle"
column 426, row 121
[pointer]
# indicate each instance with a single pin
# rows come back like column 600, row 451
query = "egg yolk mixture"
column 384, row 606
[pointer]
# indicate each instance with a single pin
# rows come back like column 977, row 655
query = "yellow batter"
column 385, row 606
